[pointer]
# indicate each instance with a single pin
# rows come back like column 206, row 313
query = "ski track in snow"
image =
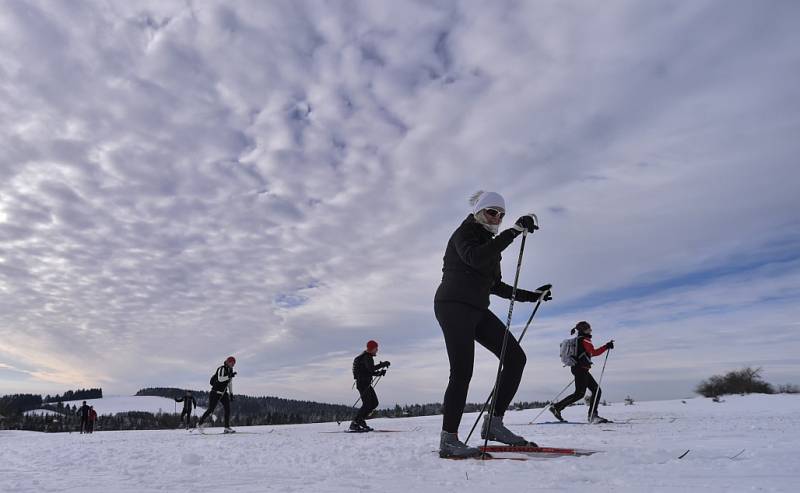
column 641, row 455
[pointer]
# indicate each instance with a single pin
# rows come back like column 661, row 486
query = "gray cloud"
column 180, row 181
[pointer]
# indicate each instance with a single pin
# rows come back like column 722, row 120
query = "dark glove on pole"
column 528, row 222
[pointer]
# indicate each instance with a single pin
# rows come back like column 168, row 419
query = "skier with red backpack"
column 577, row 353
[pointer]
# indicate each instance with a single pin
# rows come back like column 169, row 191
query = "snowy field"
column 743, row 444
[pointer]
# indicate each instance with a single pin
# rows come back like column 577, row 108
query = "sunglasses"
column 495, row 213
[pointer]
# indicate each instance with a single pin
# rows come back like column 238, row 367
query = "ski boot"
column 553, row 409
column 200, row 426
column 228, row 429
column 355, row 427
column 365, row 426
column 597, row 419
column 499, row 433
column 450, row 447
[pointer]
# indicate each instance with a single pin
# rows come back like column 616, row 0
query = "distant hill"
column 265, row 410
column 127, row 403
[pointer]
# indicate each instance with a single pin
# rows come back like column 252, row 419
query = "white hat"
column 484, row 200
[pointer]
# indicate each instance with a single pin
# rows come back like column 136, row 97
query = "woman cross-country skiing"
column 221, row 392
column 471, row 273
column 583, row 379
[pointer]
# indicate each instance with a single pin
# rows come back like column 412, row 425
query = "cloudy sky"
column 181, row 181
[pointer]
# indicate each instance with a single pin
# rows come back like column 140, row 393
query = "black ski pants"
column 188, row 413
column 214, row 398
column 583, row 380
column 369, row 400
column 462, row 325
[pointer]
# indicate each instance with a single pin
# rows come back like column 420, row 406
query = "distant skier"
column 471, row 273
column 83, row 412
column 583, row 379
column 92, row 419
column 364, row 368
column 221, row 392
column 189, row 403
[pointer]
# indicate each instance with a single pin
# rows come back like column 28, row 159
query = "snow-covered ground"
column 146, row 403
column 743, row 444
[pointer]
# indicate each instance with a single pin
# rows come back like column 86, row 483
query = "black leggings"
column 213, row 399
column 583, row 380
column 462, row 325
column 369, row 401
column 188, row 413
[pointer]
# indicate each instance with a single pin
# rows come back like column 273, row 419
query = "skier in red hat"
column 364, row 368
column 221, row 391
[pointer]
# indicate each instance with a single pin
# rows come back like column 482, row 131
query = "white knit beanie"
column 482, row 200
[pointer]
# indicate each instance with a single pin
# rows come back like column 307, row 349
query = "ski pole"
column 374, row 384
column 505, row 337
column 593, row 409
column 552, row 401
column 530, row 319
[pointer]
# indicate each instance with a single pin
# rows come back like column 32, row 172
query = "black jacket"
column 188, row 402
column 221, row 379
column 471, row 270
column 364, row 368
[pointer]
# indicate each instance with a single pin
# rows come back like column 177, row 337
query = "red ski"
column 539, row 451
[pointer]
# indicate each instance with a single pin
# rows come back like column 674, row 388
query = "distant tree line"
column 745, row 381
column 14, row 404
column 246, row 411
column 13, row 408
column 75, row 395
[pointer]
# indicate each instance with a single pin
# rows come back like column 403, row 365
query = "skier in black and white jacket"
column 189, row 403
column 221, row 391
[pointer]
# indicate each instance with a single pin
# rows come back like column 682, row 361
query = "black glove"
column 382, row 372
column 527, row 222
column 610, row 344
column 531, row 296
column 545, row 288
column 385, row 364
column 230, row 397
column 233, row 374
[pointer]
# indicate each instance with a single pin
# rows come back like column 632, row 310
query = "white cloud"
column 181, row 181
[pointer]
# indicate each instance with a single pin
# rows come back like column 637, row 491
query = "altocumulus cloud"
column 180, row 181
